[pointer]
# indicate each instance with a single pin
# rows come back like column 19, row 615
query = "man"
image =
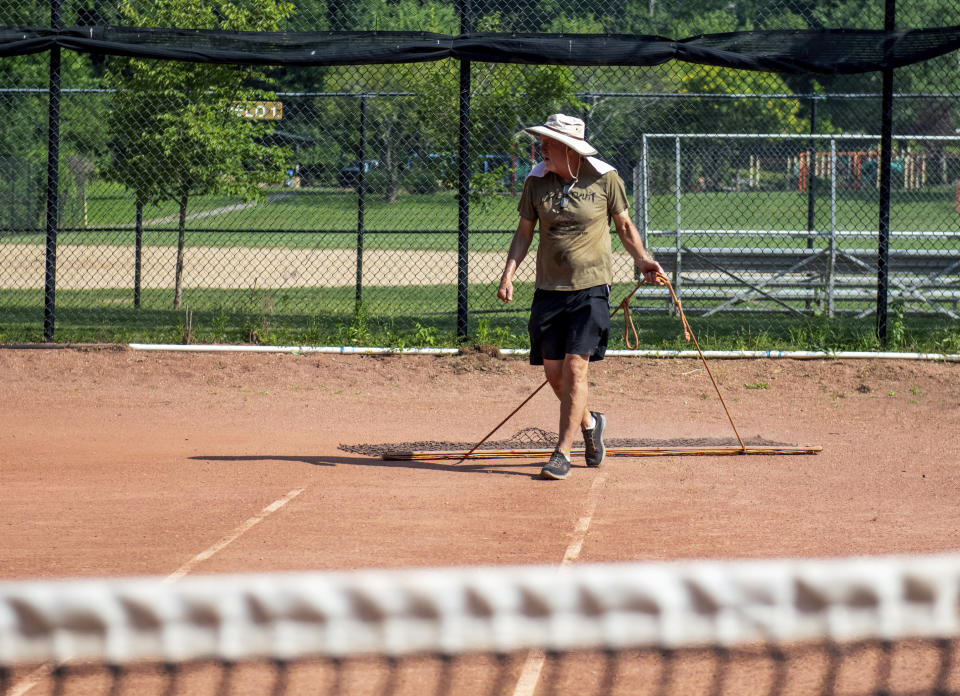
column 572, row 195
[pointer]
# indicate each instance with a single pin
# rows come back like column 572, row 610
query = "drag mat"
column 538, row 438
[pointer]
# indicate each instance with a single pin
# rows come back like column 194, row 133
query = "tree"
column 24, row 110
column 175, row 127
column 23, row 140
column 396, row 123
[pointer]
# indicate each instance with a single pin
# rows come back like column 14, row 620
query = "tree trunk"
column 392, row 167
column 393, row 175
column 178, row 274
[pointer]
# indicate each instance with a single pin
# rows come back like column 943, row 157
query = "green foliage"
column 945, row 340
column 500, row 336
column 487, row 187
column 412, row 15
column 24, row 13
column 566, row 24
column 23, row 139
column 358, row 332
column 505, row 98
column 398, row 317
column 515, row 96
column 256, row 310
column 896, row 329
column 425, row 336
column 420, row 180
column 397, row 126
column 218, row 326
column 729, row 115
column 176, row 132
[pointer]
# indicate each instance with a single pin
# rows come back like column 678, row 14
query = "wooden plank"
column 427, row 455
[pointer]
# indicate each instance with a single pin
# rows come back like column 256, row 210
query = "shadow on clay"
column 527, row 469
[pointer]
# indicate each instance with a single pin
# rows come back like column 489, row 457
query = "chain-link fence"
column 374, row 203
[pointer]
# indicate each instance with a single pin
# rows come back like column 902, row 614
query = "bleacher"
column 831, row 273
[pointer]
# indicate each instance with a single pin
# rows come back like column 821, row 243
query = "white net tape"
column 490, row 610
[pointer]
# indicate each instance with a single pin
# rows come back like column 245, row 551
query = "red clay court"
column 115, row 462
column 119, row 462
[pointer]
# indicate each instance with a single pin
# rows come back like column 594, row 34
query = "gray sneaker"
column 593, row 448
column 557, row 468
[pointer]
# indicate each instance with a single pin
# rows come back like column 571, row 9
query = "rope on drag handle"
column 629, row 329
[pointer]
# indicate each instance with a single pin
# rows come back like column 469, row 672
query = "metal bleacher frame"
column 803, row 281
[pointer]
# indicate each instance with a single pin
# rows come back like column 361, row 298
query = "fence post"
column 53, row 181
column 137, row 253
column 812, row 174
column 886, row 145
column 812, row 180
column 361, row 203
column 644, row 222
column 640, row 211
column 678, row 241
column 832, row 262
column 463, row 192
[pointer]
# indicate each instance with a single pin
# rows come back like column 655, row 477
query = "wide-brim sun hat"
column 569, row 130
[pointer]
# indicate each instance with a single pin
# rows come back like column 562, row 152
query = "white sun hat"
column 569, row 130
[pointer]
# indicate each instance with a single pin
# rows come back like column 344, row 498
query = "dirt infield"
column 105, row 266
column 117, row 462
column 81, row 267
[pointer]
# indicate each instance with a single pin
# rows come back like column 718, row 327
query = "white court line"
column 533, row 666
column 43, row 671
column 233, row 536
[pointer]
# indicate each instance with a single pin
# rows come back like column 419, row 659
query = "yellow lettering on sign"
column 259, row 111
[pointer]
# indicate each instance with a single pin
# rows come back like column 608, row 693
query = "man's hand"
column 650, row 270
column 505, row 291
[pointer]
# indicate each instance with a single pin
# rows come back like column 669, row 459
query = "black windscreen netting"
column 799, row 51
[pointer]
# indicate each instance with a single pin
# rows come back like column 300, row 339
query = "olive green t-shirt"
column 574, row 251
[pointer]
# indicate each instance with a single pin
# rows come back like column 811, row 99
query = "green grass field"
column 426, row 315
column 423, row 317
column 293, row 217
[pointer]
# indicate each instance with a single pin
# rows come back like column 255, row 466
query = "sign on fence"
column 260, row 111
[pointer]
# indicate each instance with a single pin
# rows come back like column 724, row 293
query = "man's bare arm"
column 522, row 239
column 630, row 237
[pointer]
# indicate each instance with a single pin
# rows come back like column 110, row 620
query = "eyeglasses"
column 565, row 195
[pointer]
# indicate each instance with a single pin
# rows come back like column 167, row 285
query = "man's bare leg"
column 568, row 378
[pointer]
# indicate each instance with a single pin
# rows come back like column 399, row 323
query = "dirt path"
column 216, row 211
column 81, row 267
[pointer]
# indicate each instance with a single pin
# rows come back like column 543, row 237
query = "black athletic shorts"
column 575, row 322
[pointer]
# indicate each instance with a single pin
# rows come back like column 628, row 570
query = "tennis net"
column 871, row 625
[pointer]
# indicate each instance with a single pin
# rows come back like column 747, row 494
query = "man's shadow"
column 503, row 468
